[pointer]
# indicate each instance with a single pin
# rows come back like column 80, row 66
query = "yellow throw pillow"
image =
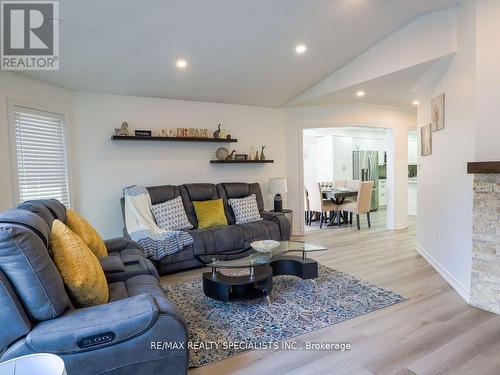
column 79, row 268
column 210, row 213
column 86, row 232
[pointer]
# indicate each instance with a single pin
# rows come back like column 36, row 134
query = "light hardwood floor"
column 434, row 332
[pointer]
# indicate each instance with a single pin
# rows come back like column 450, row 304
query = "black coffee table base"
column 259, row 283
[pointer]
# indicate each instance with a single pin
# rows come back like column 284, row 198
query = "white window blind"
column 42, row 168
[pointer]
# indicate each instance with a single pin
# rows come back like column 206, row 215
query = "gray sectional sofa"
column 224, row 242
column 37, row 314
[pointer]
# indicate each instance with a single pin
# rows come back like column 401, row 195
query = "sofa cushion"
column 83, row 229
column 171, row 215
column 135, row 286
column 24, row 259
column 228, row 190
column 261, row 230
column 217, row 240
column 79, row 268
column 221, row 240
column 112, row 264
column 245, row 209
column 210, row 213
column 196, row 192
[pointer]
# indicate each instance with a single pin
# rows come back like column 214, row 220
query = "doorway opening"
column 341, row 157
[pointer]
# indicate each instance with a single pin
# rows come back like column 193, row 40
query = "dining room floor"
column 434, row 332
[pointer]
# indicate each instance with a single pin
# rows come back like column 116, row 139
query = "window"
column 40, row 154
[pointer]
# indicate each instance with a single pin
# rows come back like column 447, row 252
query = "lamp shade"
column 277, row 185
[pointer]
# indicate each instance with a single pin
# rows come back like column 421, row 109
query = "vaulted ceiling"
column 237, row 51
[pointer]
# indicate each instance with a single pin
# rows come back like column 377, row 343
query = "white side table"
column 34, row 364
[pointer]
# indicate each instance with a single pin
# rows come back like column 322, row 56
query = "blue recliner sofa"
column 38, row 316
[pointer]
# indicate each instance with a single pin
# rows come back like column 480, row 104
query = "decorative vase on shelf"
column 262, row 156
column 217, row 132
column 256, row 155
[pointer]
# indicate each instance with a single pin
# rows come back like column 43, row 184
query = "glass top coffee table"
column 258, row 283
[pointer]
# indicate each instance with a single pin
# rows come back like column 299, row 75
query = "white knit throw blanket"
column 142, row 227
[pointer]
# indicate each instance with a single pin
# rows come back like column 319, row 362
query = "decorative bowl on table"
column 265, row 246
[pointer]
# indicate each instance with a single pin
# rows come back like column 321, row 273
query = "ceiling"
column 238, row 51
column 395, row 89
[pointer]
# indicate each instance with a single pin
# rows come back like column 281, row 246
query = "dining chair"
column 339, row 183
column 353, row 184
column 317, row 203
column 362, row 204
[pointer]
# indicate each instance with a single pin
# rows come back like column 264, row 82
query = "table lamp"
column 278, row 186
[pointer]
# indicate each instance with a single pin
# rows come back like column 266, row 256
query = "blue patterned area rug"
column 298, row 307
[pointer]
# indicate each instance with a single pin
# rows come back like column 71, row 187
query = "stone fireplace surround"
column 485, row 278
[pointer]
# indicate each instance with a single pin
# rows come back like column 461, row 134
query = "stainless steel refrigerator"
column 365, row 168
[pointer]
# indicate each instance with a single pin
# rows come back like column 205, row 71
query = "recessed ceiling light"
column 300, row 49
column 360, row 94
column 181, row 64
column 416, row 102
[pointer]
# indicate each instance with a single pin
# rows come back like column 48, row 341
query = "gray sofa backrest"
column 25, row 261
column 56, row 208
column 203, row 192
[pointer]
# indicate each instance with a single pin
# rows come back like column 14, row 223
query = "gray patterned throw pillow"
column 170, row 215
column 245, row 209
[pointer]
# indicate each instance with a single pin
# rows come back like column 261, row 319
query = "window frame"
column 11, row 104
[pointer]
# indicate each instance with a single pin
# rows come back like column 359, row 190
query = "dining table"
column 338, row 195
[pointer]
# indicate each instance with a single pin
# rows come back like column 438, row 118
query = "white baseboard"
column 450, row 279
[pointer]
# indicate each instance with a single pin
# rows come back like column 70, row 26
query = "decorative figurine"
column 256, row 155
column 230, row 156
column 123, row 131
column 217, row 132
column 262, row 156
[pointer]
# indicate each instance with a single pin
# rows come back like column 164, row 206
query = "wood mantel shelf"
column 483, row 167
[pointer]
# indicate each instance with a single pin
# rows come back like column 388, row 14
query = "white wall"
column 341, row 115
column 105, row 167
column 310, row 159
column 444, row 221
column 26, row 90
column 488, row 80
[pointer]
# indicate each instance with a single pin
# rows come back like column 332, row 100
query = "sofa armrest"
column 282, row 221
column 100, row 326
column 114, row 245
column 112, row 264
column 15, row 322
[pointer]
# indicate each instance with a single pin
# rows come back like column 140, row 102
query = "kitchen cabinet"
column 382, row 193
